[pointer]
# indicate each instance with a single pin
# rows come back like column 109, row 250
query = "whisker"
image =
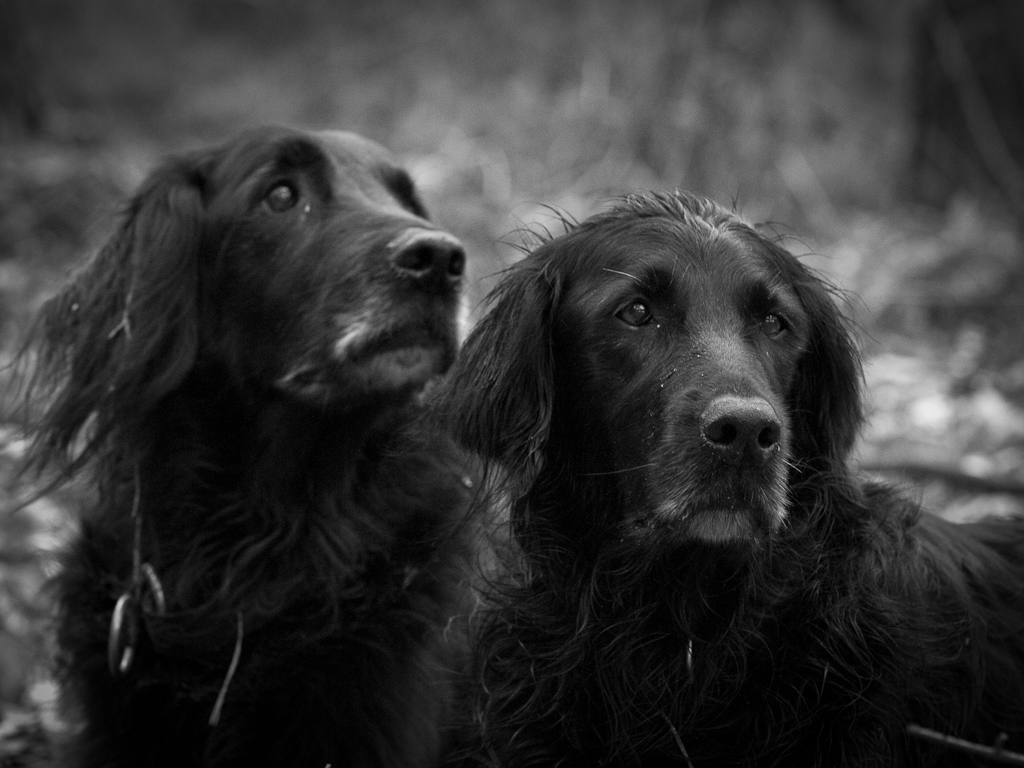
column 619, row 471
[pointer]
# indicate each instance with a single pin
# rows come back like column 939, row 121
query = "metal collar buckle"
column 145, row 595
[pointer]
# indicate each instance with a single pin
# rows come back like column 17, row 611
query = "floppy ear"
column 123, row 333
column 826, row 400
column 497, row 399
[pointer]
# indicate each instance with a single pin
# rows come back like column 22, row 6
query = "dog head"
column 660, row 367
column 321, row 275
column 284, row 263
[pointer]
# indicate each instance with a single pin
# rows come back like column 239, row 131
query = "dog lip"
column 394, row 342
column 363, row 341
column 396, row 358
column 393, row 369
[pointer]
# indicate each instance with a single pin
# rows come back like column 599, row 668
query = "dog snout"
column 429, row 257
column 741, row 430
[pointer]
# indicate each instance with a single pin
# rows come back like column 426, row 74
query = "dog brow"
column 624, row 274
column 298, row 152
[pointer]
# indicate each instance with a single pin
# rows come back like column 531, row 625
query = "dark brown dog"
column 272, row 556
column 668, row 400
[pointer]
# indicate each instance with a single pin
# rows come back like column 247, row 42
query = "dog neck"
column 260, row 469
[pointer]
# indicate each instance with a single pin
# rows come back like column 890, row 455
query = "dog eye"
column 635, row 313
column 282, row 196
column 773, row 325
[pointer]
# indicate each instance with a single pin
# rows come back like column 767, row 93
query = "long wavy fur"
column 322, row 546
column 814, row 648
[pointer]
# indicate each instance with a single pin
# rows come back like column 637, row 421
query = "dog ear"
column 497, row 399
column 827, row 401
column 123, row 333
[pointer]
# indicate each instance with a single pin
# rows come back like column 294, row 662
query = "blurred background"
column 884, row 139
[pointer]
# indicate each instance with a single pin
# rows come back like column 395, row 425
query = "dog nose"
column 741, row 429
column 428, row 256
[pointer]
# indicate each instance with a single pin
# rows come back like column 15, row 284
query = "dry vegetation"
column 798, row 111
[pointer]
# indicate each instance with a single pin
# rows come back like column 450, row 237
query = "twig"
column 961, row 480
column 996, row 753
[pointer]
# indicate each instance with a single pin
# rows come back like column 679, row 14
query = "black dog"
column 271, row 559
column 667, row 402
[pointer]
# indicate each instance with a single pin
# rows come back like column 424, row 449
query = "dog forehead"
column 352, row 152
column 347, row 161
column 671, row 251
column 707, row 273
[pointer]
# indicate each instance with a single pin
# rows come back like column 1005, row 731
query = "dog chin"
column 722, row 526
column 712, row 525
column 396, row 373
column 400, row 369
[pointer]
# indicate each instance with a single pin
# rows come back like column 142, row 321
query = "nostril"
column 418, row 257
column 720, row 432
column 457, row 261
column 770, row 435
